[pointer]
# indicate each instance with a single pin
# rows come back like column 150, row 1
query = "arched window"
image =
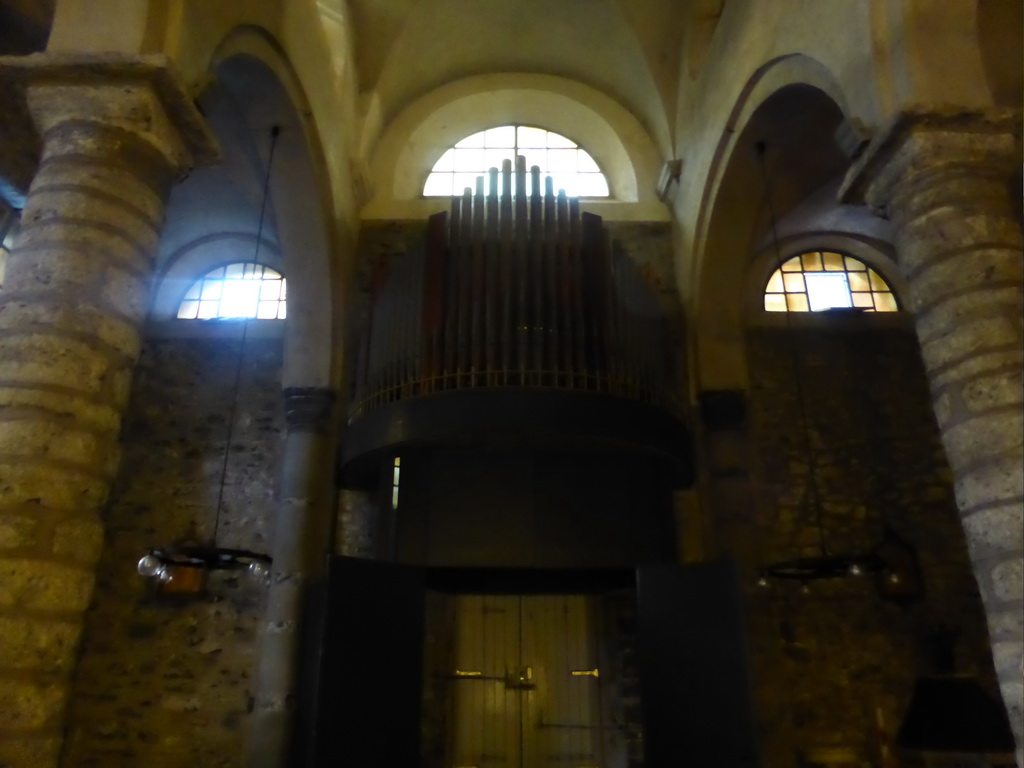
column 570, row 167
column 820, row 280
column 237, row 290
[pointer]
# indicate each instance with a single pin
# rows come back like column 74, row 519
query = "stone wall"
column 834, row 665
column 356, row 524
column 165, row 682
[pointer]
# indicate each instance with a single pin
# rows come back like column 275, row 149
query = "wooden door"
column 524, row 685
column 486, row 717
column 562, row 714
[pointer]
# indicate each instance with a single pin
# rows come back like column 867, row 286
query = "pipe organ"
column 514, row 425
column 513, row 294
column 514, row 290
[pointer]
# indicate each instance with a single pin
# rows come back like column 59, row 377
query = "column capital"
column 142, row 95
column 921, row 146
column 308, row 409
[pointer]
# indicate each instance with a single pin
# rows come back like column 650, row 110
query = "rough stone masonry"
column 115, row 135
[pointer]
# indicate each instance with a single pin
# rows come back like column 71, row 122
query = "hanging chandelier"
column 894, row 562
column 183, row 569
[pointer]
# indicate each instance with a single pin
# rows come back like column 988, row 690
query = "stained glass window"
column 820, row 280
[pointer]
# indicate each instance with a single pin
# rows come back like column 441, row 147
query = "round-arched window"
column 821, row 280
column 241, row 290
column 570, row 166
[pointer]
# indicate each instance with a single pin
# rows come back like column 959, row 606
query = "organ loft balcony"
column 518, row 322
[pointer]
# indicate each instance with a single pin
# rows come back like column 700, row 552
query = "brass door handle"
column 470, row 674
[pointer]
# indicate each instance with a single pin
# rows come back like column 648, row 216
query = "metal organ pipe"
column 521, row 268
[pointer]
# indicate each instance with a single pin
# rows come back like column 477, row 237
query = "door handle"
column 470, row 674
column 595, row 672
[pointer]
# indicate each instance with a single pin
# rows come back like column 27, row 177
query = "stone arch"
column 213, row 215
column 795, row 106
column 413, row 141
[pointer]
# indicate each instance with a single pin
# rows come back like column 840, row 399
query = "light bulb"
column 894, row 578
column 855, row 570
column 150, row 565
column 763, row 581
column 804, row 589
column 259, row 571
column 164, row 575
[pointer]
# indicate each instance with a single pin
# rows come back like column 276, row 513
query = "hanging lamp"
column 183, row 569
column 894, row 562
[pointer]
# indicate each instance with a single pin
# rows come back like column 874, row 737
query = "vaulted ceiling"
column 629, row 49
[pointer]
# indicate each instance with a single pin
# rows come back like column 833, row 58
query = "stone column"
column 303, row 538
column 115, row 135
column 945, row 182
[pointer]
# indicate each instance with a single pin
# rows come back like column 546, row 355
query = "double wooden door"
column 517, row 681
column 367, row 699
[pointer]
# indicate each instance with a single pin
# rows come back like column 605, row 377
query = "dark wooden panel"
column 481, row 508
column 372, row 666
column 694, row 667
column 531, row 509
column 544, row 420
column 525, row 581
column 602, row 510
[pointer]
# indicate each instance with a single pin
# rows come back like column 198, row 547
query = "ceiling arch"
column 213, row 215
column 794, row 106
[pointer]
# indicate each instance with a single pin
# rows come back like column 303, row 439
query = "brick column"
column 115, row 134
column 302, row 540
column 945, row 182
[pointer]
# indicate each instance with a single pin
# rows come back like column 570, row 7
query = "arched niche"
column 410, row 144
column 999, row 30
column 213, row 216
column 794, row 107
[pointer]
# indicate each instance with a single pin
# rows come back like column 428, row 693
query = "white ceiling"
column 629, row 49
